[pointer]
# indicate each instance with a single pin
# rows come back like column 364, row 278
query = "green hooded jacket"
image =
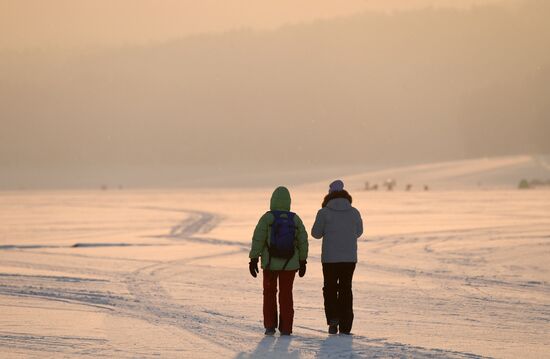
column 280, row 201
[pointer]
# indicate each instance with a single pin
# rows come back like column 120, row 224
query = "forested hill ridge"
column 419, row 85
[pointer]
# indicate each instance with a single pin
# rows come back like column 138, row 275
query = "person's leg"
column 345, row 296
column 270, row 299
column 286, row 303
column 330, row 287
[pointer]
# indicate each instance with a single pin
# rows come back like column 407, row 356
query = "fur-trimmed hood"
column 337, row 194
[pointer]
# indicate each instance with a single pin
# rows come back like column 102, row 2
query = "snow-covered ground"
column 456, row 272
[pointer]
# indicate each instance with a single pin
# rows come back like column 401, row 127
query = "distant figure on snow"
column 390, row 184
column 339, row 224
column 280, row 238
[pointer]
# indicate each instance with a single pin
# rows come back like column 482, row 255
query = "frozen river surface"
column 163, row 273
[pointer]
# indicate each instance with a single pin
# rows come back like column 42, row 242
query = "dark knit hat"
column 336, row 186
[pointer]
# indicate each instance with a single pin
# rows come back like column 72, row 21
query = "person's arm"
column 259, row 239
column 301, row 235
column 318, row 229
column 359, row 224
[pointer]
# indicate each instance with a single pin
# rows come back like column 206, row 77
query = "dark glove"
column 253, row 267
column 302, row 270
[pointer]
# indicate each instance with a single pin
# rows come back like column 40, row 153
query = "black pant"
column 338, row 295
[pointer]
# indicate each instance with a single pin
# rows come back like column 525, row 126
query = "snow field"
column 441, row 274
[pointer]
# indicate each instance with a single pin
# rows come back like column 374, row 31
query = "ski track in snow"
column 140, row 293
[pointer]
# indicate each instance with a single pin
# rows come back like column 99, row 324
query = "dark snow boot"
column 333, row 327
column 269, row 331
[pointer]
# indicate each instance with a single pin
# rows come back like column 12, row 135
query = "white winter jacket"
column 339, row 224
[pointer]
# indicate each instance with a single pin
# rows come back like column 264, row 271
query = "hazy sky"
column 356, row 88
column 79, row 23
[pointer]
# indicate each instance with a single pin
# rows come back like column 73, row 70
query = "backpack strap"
column 286, row 263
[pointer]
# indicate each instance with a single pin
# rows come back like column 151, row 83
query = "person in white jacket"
column 339, row 225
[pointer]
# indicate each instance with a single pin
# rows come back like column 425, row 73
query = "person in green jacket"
column 276, row 266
